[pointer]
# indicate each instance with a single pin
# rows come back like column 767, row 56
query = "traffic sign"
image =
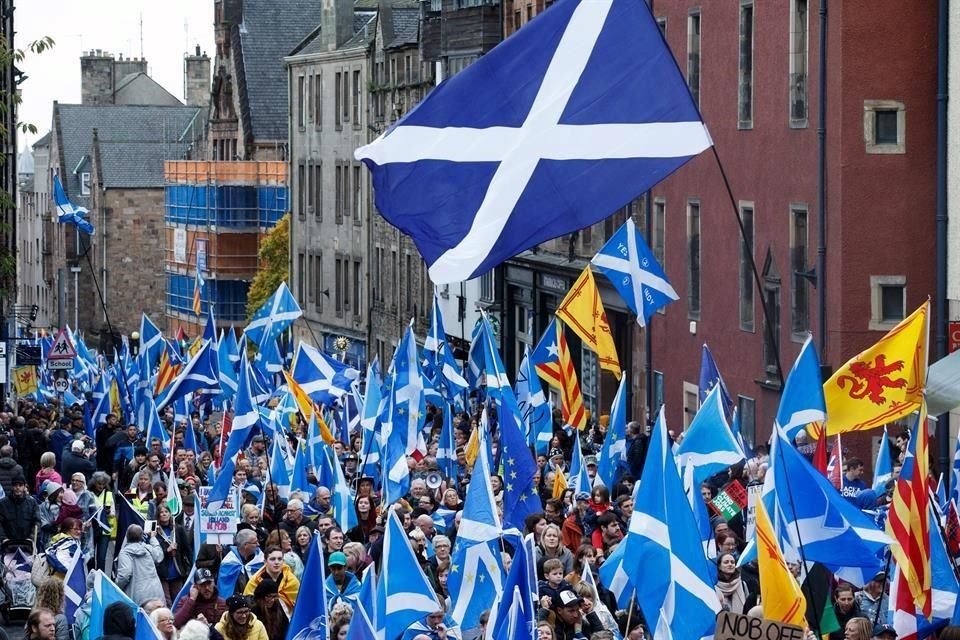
column 62, row 348
column 60, row 365
column 61, row 385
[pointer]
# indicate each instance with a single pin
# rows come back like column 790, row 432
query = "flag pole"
column 768, row 319
column 886, row 580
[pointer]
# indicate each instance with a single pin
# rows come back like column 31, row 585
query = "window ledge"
column 770, row 383
column 799, row 124
column 885, row 325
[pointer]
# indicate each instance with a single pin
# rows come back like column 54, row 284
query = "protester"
column 48, row 472
column 202, row 602
column 162, row 618
column 731, row 588
column 177, row 553
column 341, row 585
column 118, row 623
column 75, row 460
column 9, row 469
column 239, row 622
column 41, row 625
column 845, row 608
column 282, row 575
column 137, row 566
column 19, row 513
column 269, row 610
column 50, row 598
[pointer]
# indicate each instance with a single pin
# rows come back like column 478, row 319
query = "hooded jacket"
column 137, row 570
column 118, row 622
column 9, row 469
column 18, row 517
column 257, row 630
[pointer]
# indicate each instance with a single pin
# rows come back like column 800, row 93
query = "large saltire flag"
column 883, row 383
column 274, row 316
column 780, row 592
column 907, row 522
column 550, row 132
column 582, row 310
column 552, row 361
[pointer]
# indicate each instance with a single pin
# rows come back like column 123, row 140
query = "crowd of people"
column 63, row 492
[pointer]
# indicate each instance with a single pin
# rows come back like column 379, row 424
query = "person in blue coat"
column 341, row 585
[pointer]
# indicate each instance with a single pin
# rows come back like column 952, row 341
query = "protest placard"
column 734, row 626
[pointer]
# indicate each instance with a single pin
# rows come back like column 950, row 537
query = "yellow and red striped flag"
column 198, row 294
column 907, row 522
column 780, row 592
column 167, row 372
column 559, row 372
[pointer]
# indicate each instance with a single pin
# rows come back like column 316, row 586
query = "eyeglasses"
column 242, row 612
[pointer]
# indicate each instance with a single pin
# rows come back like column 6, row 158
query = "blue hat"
column 884, row 629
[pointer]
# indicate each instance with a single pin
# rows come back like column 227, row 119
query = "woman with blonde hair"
column 50, row 597
column 858, row 628
column 551, row 546
column 48, row 471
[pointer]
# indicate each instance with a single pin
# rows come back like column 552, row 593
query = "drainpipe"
column 943, row 424
column 822, row 189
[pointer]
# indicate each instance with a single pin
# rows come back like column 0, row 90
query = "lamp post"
column 134, row 343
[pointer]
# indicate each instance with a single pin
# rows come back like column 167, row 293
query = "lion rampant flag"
column 883, row 383
column 582, row 310
column 780, row 592
column 25, row 380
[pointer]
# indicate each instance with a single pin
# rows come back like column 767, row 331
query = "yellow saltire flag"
column 25, row 380
column 780, row 592
column 582, row 310
column 883, row 383
column 472, row 449
column 559, row 483
column 305, row 405
column 195, row 346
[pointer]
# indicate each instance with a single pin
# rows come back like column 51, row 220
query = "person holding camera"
column 137, row 565
column 432, row 627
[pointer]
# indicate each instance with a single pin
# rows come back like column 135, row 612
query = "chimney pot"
column 198, row 50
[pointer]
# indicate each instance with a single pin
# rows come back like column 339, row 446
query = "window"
column 345, row 283
column 308, row 188
column 693, row 260
column 800, row 298
column 745, row 93
column 771, row 292
column 408, row 284
column 337, row 93
column 798, row 63
column 357, row 96
column 516, row 20
column 693, row 54
column 301, row 277
column 356, row 287
column 318, row 190
column 691, row 402
column 338, row 194
column 657, row 393
column 662, row 23
column 486, row 286
column 85, row 183
column 395, row 272
column 659, row 229
column 746, row 409
column 338, row 286
column 407, row 69
column 311, row 291
column 888, row 301
column 318, row 99
column 302, row 189
column 588, row 378
column 357, row 191
column 319, row 293
column 747, row 311
column 300, row 100
column 378, row 275
column 884, row 126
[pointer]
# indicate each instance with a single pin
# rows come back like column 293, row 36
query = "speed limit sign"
column 61, row 385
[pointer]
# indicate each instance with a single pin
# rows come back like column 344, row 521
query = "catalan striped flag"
column 553, row 364
column 170, row 365
column 198, row 294
column 907, row 522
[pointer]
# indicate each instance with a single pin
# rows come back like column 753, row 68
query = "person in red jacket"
column 203, row 602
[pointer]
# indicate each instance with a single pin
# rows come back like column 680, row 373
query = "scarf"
column 733, row 596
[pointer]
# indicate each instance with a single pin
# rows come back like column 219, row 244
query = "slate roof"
column 406, row 26
column 270, row 30
column 364, row 29
column 134, row 141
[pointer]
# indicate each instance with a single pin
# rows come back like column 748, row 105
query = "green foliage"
column 274, row 265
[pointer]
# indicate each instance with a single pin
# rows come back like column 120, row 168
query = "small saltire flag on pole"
column 583, row 312
column 553, row 130
column 634, row 272
column 883, row 383
column 69, row 212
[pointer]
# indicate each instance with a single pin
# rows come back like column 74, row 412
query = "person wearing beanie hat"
column 266, row 606
column 341, row 585
column 239, row 622
column 19, row 512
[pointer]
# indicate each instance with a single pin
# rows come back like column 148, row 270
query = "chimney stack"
column 196, row 79
column 336, row 23
column 96, row 78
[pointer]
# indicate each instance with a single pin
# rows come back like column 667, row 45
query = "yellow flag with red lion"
column 883, row 383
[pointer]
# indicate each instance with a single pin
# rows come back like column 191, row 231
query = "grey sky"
column 110, row 25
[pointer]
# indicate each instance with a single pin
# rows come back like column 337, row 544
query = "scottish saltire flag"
column 439, row 366
column 309, row 618
column 200, row 375
column 633, row 270
column 614, row 577
column 579, row 478
column 804, row 506
column 232, row 566
column 405, row 408
column 955, row 475
column 222, row 484
column 298, row 477
column 67, row 211
column 363, row 624
column 274, row 316
column 446, row 447
column 613, row 453
column 151, row 338
column 520, row 497
column 404, row 595
column 245, row 415
column 709, row 444
column 278, row 468
column 342, row 498
column 883, row 469
column 676, row 595
column 228, row 355
column 533, row 406
column 322, row 377
column 522, row 577
column 74, row 586
column 476, row 568
column 268, row 362
column 710, row 377
column 802, row 400
column 503, row 156
column 701, row 515
column 475, row 363
column 148, row 419
column 105, row 593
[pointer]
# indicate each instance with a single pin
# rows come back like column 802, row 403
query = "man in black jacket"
column 19, row 513
column 9, row 469
column 76, row 461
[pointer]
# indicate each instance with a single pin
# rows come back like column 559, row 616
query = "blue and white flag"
column 439, row 366
column 278, row 468
column 502, row 157
column 309, row 618
column 404, row 595
column 342, row 499
column 323, row 378
column 520, row 617
column 363, row 624
column 677, row 594
column 709, row 444
column 955, row 474
column 802, row 400
column 533, row 406
column 883, row 469
column 476, row 568
column 144, row 627
column 222, row 484
column 228, row 358
column 298, row 477
column 232, row 566
column 710, row 377
column 475, row 362
column 245, row 415
column 67, row 211
column 105, row 593
column 405, row 409
column 633, row 270
column 74, row 586
column 274, row 316
column 151, row 338
column 447, row 447
column 613, row 453
column 614, row 577
column 579, row 478
column 200, row 375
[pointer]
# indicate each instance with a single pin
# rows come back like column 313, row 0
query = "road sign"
column 60, row 365
column 62, row 348
column 61, row 385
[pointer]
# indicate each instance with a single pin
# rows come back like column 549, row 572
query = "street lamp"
column 134, row 343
